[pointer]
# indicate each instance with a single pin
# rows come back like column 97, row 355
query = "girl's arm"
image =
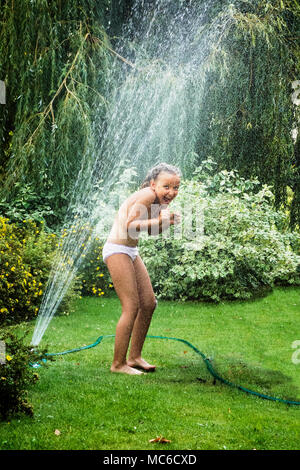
column 142, row 217
column 150, row 219
column 147, row 216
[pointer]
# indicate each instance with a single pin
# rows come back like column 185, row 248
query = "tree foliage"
column 247, row 116
column 54, row 60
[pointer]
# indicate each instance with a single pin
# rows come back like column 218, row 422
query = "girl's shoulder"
column 145, row 196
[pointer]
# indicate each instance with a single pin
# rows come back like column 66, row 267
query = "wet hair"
column 156, row 170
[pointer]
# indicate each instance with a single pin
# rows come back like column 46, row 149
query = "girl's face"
column 166, row 187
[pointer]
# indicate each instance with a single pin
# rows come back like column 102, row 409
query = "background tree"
column 247, row 115
column 54, row 60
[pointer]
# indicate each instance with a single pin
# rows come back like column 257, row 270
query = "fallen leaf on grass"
column 160, row 439
column 57, row 432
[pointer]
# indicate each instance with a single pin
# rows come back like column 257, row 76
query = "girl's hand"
column 164, row 217
column 175, row 218
column 167, row 218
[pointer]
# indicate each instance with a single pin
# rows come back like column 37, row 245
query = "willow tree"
column 54, row 60
column 248, row 114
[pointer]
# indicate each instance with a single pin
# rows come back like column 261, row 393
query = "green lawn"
column 250, row 343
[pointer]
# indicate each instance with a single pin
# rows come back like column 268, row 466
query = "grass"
column 250, row 343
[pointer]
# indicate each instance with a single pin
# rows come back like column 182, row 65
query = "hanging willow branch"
column 116, row 54
column 46, row 128
column 244, row 117
column 49, row 108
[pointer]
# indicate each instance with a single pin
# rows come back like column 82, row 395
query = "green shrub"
column 28, row 205
column 93, row 274
column 15, row 374
column 26, row 256
column 243, row 247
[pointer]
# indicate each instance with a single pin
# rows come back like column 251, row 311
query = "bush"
column 241, row 248
column 26, row 254
column 15, row 374
column 28, row 205
column 93, row 274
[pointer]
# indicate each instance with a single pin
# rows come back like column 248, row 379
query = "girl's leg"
column 147, row 304
column 124, row 279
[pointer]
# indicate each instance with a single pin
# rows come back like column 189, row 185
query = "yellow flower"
column 8, row 358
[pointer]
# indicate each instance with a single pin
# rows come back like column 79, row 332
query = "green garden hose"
column 205, row 359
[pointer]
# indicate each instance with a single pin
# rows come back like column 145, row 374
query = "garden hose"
column 206, row 360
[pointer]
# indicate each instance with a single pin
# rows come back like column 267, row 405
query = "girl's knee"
column 153, row 305
column 128, row 318
column 150, row 306
column 131, row 309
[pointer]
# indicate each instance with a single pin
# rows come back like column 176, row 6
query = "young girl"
column 145, row 210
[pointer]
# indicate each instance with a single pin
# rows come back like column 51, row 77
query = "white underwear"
column 114, row 248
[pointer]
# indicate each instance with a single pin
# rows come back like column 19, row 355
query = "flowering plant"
column 26, row 254
column 15, row 374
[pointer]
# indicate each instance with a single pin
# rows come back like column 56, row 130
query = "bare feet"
column 140, row 363
column 126, row 369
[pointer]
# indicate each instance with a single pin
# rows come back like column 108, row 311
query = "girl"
column 146, row 209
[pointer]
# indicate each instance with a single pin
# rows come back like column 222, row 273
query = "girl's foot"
column 126, row 369
column 140, row 363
